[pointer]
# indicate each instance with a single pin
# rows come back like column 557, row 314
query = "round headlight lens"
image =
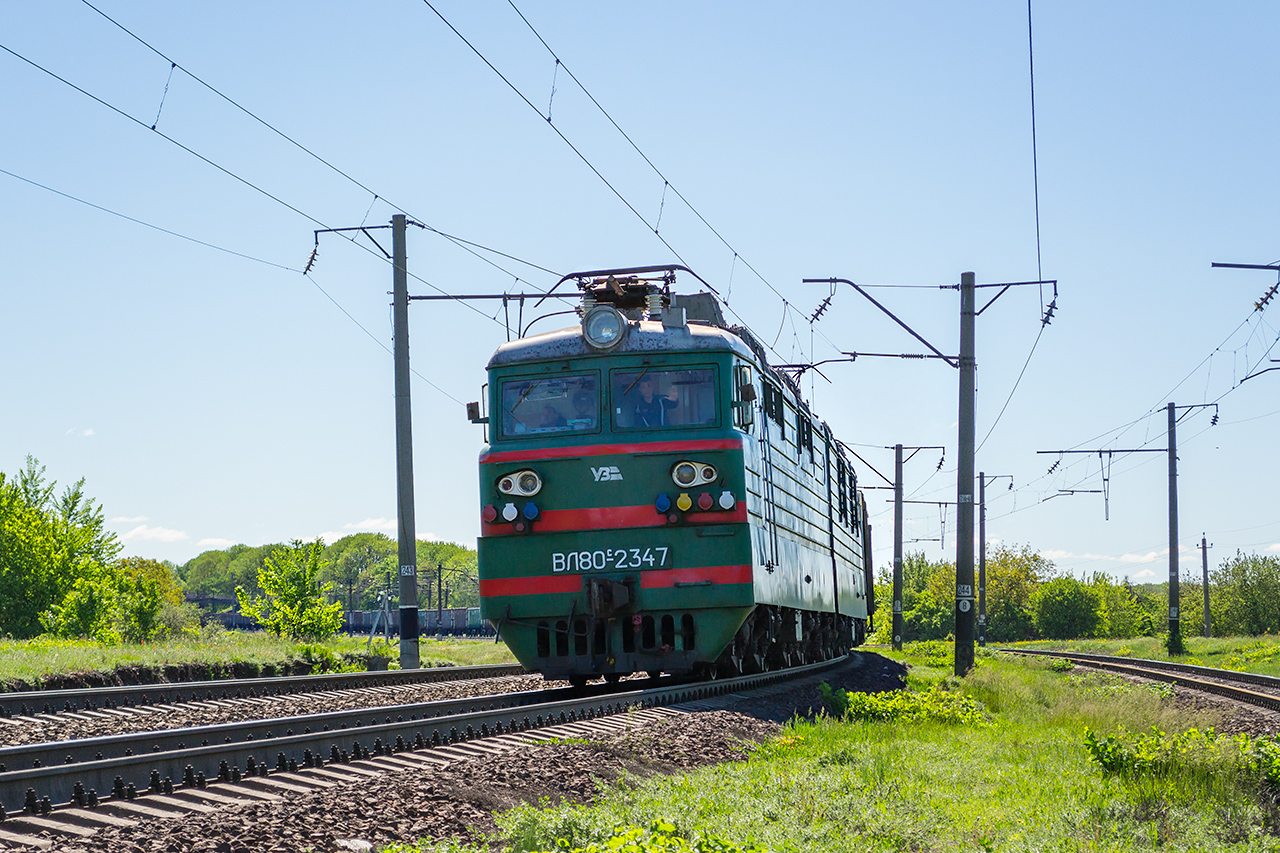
column 507, row 486
column 603, row 327
column 708, row 473
column 529, row 483
column 685, row 474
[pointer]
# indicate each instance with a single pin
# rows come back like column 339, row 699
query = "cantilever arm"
column 947, row 359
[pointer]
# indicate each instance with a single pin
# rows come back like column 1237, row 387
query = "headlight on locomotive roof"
column 524, row 483
column 689, row 474
column 603, row 327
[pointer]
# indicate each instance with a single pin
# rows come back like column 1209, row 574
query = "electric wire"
column 150, row 225
column 164, row 136
column 309, row 152
column 557, row 130
column 246, row 182
column 378, row 340
column 666, row 183
column 233, row 175
column 1035, row 181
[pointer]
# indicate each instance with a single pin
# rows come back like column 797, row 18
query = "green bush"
column 660, row 837
column 1065, row 608
column 1196, row 760
column 47, row 546
column 935, row 704
column 294, row 603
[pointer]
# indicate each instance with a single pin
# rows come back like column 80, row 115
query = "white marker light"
column 727, row 501
column 509, row 512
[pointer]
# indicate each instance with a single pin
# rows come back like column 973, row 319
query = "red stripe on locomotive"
column 610, row 449
column 652, row 579
column 713, row 574
column 613, row 517
column 542, row 585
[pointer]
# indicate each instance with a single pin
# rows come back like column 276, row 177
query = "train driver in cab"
column 650, row 410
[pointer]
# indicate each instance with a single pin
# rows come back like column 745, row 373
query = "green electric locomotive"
column 655, row 498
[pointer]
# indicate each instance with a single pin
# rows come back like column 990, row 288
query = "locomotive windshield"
column 662, row 399
column 550, row 405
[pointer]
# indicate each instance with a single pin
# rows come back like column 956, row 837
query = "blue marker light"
column 662, row 504
column 530, row 511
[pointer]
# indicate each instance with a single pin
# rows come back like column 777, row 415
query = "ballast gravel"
column 457, row 800
column 62, row 727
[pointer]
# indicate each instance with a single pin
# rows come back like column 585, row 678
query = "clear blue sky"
column 210, row 399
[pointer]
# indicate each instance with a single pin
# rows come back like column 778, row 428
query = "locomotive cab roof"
column 649, row 319
column 641, row 315
column 639, row 336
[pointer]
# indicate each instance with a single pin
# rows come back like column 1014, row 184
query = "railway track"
column 73, row 726
column 1222, row 682
column 34, row 703
column 79, row 787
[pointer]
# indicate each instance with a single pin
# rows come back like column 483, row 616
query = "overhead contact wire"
column 309, row 152
column 149, row 225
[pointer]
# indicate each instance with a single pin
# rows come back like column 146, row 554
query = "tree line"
column 61, row 574
column 1027, row 599
column 357, row 569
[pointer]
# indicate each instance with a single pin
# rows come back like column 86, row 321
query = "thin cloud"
column 1145, row 574
column 121, row 519
column 369, row 525
column 214, row 542
column 82, row 432
column 1149, row 557
column 153, row 534
column 372, row 524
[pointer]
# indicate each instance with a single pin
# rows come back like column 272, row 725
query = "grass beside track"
column 32, row 660
column 1244, row 654
column 1016, row 776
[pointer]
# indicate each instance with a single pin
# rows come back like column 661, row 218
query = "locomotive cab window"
column 664, row 399
column 549, row 405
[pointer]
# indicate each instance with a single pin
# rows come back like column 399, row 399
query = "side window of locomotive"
column 775, row 408
column 744, row 398
column 842, row 500
column 664, row 399
column 551, row 404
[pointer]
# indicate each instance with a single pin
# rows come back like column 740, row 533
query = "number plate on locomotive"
column 613, row 559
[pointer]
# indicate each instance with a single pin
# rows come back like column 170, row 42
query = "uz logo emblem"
column 609, row 472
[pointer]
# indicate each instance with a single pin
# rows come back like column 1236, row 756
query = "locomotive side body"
column 668, row 505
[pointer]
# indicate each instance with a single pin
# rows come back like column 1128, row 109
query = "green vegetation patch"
column 936, row 704
column 1026, row 780
column 658, row 837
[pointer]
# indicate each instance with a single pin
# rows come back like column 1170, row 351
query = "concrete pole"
column 964, row 481
column 1204, row 565
column 897, row 547
column 1175, row 635
column 406, row 536
column 982, row 559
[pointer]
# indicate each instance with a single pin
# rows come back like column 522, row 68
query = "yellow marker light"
column 684, row 502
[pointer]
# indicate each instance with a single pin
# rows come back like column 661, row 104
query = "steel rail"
column 59, row 782
column 68, row 752
column 1174, row 673
column 29, row 702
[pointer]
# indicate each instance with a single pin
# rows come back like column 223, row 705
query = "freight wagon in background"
column 450, row 622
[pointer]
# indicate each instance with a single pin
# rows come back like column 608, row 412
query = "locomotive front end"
column 614, row 535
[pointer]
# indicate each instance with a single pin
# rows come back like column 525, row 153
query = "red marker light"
column 489, row 514
column 673, row 518
column 705, row 502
